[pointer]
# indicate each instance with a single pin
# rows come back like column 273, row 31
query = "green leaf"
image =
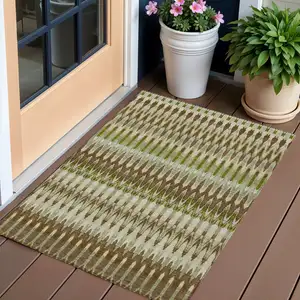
column 261, row 70
column 278, row 51
column 275, row 8
column 234, row 58
column 277, row 84
column 233, row 68
column 295, row 23
column 227, row 37
column 281, row 25
column 291, row 65
column 245, row 71
column 264, row 38
column 236, row 22
column 277, row 44
column 262, row 58
column 258, row 12
column 291, row 51
column 248, row 48
column 297, row 47
column 286, row 56
column 256, row 41
column 285, row 50
column 271, row 27
column 272, row 33
column 276, row 70
column 297, row 77
column 253, row 62
column 285, row 78
column 274, row 59
column 282, row 39
column 245, row 61
column 270, row 40
column 296, row 60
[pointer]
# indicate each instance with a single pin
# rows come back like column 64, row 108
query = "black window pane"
column 29, row 16
column 59, row 7
column 93, row 26
column 31, row 68
column 63, row 46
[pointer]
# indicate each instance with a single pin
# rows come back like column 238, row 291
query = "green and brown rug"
column 151, row 200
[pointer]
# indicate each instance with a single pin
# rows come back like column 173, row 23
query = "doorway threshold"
column 39, row 166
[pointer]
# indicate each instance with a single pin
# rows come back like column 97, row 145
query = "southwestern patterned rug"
column 151, row 200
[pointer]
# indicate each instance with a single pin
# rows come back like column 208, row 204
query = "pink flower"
column 176, row 10
column 151, row 8
column 179, row 2
column 219, row 17
column 198, row 6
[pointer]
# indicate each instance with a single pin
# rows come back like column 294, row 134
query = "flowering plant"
column 186, row 15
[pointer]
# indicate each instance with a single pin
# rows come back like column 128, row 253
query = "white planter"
column 188, row 57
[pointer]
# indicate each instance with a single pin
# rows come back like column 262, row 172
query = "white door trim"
column 245, row 10
column 131, row 37
column 7, row 185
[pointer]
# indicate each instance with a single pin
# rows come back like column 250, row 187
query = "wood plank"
column 240, row 113
column 290, row 126
column 214, row 87
column 151, row 79
column 238, row 261
column 118, row 293
column 279, row 270
column 228, row 100
column 82, row 285
column 296, row 293
column 2, row 240
column 15, row 259
column 40, row 281
column 161, row 89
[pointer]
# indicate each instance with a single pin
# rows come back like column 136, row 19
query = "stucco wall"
column 292, row 4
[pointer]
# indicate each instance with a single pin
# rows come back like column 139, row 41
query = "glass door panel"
column 58, row 35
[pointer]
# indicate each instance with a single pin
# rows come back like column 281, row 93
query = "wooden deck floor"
column 271, row 272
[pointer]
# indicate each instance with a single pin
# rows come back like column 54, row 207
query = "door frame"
column 131, row 21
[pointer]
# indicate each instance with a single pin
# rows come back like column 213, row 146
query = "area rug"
column 151, row 200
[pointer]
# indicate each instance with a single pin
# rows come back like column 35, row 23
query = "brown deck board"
column 118, row 293
column 278, row 273
column 81, row 286
column 240, row 113
column 214, row 87
column 290, row 126
column 14, row 261
column 232, row 271
column 228, row 100
column 150, row 80
column 296, row 292
column 2, row 240
column 40, row 281
column 161, row 89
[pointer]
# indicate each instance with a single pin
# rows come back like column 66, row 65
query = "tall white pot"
column 188, row 57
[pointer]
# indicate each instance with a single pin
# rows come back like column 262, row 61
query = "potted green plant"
column 266, row 48
column 189, row 34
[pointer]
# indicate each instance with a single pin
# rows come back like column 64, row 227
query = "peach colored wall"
column 41, row 123
column 13, row 85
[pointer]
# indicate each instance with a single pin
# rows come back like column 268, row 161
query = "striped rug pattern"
column 151, row 200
